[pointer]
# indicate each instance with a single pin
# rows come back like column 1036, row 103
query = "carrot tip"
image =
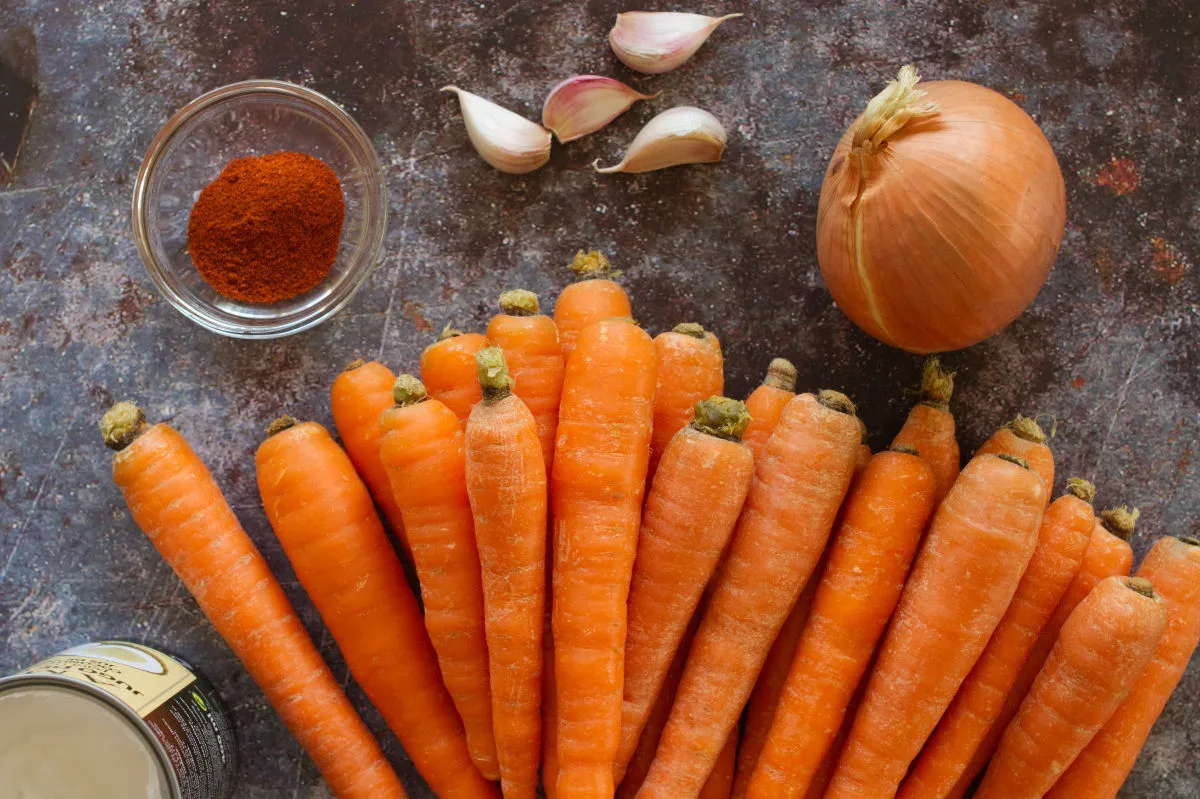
column 590, row 264
column 280, row 424
column 1121, row 521
column 408, row 390
column 781, row 374
column 493, row 374
column 906, row 449
column 1028, row 429
column 122, row 424
column 519, row 302
column 836, row 401
column 1190, row 541
column 449, row 331
column 1142, row 586
column 690, row 329
column 357, row 363
column 1078, row 487
column 722, row 417
column 937, row 384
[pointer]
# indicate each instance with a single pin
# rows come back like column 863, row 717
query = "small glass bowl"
column 244, row 119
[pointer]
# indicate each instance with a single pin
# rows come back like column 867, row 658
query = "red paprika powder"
column 267, row 229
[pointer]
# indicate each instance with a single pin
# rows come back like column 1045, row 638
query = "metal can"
column 113, row 716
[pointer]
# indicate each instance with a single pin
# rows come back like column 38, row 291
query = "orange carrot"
column 864, row 453
column 359, row 397
column 964, row 578
column 885, row 515
column 929, row 428
column 689, row 368
column 690, row 513
column 534, row 356
column 424, row 452
column 1173, row 566
column 506, row 481
column 720, row 782
column 448, row 370
column 798, row 486
column 597, row 485
column 1108, row 555
column 324, row 518
column 764, row 699
column 1102, row 650
column 1023, row 438
column 643, row 756
column 824, row 773
column 767, row 402
column 594, row 297
column 177, row 504
column 1066, row 530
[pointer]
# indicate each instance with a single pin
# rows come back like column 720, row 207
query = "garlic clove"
column 585, row 103
column 507, row 141
column 682, row 135
column 659, row 41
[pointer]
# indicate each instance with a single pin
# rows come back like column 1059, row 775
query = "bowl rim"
column 375, row 201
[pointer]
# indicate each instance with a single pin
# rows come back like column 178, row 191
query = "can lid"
column 60, row 738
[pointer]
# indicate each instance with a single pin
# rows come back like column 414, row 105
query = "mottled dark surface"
column 1111, row 348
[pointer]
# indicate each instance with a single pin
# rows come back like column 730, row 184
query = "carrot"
column 964, row 578
column 177, row 504
column 359, row 397
column 798, row 486
column 506, row 482
column 885, row 515
column 324, row 518
column 1173, row 566
column 1108, row 554
column 764, row 698
column 690, row 513
column 689, row 368
column 1066, row 530
column 1102, row 650
column 720, row 782
column 534, row 356
column 1023, row 438
column 929, row 428
column 643, row 756
column 549, row 705
column 422, row 449
column 594, row 297
column 767, row 402
column 448, row 370
column 864, row 454
column 824, row 773
column 597, row 485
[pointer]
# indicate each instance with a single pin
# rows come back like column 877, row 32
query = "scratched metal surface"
column 1110, row 348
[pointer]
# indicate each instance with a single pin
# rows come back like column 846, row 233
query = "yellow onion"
column 940, row 215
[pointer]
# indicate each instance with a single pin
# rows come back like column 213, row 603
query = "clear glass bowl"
column 244, row 119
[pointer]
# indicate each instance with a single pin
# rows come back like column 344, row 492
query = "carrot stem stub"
column 599, row 475
column 177, row 504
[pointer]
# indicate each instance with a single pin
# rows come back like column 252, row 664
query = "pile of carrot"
column 627, row 584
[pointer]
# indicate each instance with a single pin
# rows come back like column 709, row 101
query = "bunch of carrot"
column 614, row 562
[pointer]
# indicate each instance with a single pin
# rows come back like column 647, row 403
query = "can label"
column 179, row 707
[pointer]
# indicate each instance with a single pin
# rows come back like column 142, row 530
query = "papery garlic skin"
column 585, row 103
column 681, row 135
column 654, row 42
column 507, row 141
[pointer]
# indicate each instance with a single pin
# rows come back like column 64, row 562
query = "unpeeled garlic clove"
column 507, row 141
column 682, row 135
column 585, row 103
column 658, row 41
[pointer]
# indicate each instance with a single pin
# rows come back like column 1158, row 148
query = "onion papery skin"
column 946, row 233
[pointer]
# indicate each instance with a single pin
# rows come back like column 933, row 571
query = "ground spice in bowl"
column 267, row 229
